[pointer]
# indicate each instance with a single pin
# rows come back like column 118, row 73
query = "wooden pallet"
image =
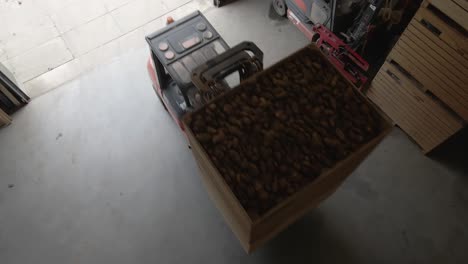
column 425, row 120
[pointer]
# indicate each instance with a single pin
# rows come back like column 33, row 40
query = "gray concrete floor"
column 97, row 172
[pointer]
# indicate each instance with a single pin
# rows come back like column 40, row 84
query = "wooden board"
column 421, row 117
column 462, row 3
column 252, row 233
column 452, row 10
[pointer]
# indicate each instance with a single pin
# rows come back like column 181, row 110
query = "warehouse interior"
column 96, row 171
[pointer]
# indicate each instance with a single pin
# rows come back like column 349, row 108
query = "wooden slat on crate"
column 378, row 94
column 462, row 3
column 452, row 10
column 428, row 36
column 449, row 35
column 436, row 70
column 427, row 64
column 441, row 55
column 432, row 48
column 440, row 60
column 446, row 120
column 421, row 119
column 453, row 74
column 435, row 85
column 404, row 113
column 432, row 110
column 428, row 123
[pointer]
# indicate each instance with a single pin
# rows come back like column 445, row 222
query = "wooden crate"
column 420, row 116
column 423, row 85
column 436, row 60
column 254, row 232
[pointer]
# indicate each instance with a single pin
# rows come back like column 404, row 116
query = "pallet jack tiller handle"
column 235, row 59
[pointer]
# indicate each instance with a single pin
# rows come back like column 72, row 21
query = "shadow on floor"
column 452, row 153
column 311, row 238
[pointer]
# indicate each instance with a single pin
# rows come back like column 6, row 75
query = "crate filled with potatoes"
column 277, row 145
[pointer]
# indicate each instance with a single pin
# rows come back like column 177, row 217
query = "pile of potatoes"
column 273, row 135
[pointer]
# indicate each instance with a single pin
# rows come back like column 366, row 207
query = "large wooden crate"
column 254, row 232
column 423, row 85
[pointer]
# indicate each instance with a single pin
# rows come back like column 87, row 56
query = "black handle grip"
column 232, row 60
column 243, row 46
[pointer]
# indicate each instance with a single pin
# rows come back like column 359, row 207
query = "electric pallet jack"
column 316, row 20
column 190, row 64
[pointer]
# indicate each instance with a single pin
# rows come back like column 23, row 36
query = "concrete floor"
column 46, row 43
column 97, row 172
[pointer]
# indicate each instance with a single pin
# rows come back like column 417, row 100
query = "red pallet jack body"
column 345, row 59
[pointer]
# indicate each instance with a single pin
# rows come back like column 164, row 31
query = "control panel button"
column 163, row 46
column 201, row 26
column 169, row 55
column 191, row 42
column 208, row 34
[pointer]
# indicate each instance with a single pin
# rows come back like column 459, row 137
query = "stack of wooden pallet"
column 4, row 118
column 12, row 97
column 5, row 97
column 423, row 85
